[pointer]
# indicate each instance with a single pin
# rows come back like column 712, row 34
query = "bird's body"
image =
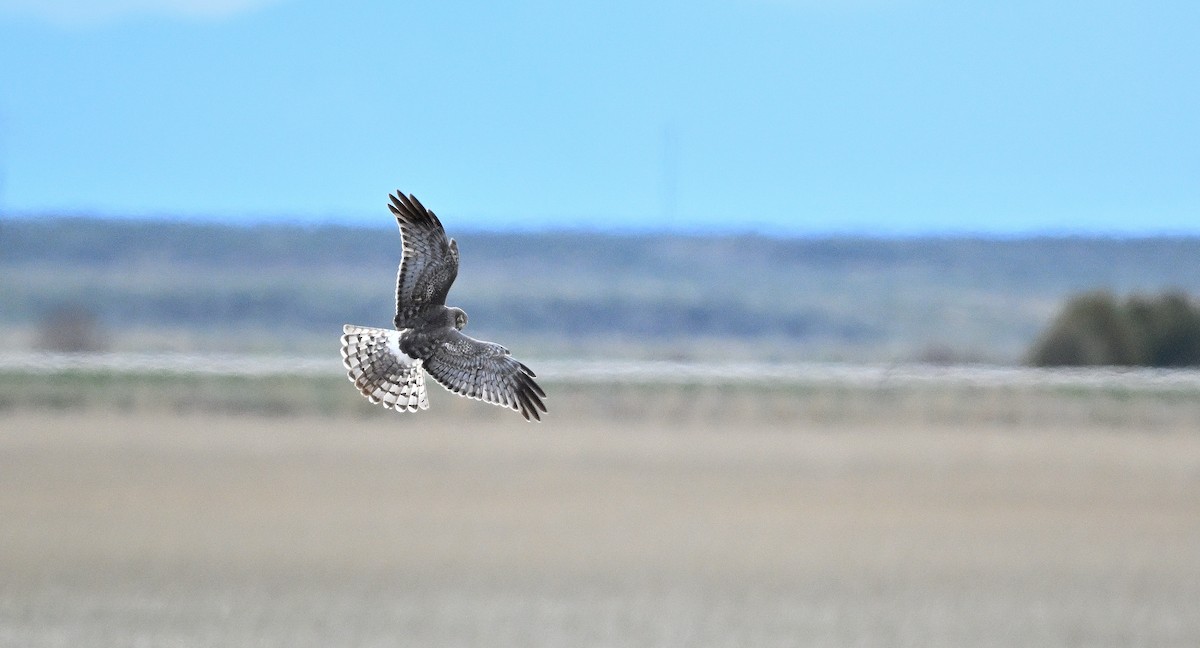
column 388, row 366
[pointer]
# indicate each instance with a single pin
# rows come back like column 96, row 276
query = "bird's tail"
column 380, row 370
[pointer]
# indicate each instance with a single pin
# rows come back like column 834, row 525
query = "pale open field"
column 465, row 526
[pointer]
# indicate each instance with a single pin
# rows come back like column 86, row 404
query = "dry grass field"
column 617, row 522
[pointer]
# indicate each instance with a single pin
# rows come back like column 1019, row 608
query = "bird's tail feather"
column 380, row 370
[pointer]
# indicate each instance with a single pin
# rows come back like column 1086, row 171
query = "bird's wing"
column 485, row 371
column 382, row 372
column 430, row 261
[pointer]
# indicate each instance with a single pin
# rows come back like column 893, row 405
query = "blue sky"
column 792, row 116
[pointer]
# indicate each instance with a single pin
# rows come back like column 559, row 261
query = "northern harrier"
column 388, row 366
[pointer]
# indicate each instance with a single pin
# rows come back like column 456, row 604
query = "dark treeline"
column 958, row 298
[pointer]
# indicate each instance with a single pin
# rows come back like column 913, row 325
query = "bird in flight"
column 389, row 366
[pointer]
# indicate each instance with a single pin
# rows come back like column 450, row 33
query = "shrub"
column 1170, row 326
column 1096, row 329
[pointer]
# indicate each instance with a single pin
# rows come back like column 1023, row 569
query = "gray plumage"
column 388, row 366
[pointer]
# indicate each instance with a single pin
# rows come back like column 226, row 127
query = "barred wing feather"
column 429, row 263
column 380, row 371
column 485, row 371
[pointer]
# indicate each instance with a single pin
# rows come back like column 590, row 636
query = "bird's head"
column 459, row 318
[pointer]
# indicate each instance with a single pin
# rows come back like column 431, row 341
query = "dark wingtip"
column 416, row 203
column 394, row 203
column 410, row 211
column 528, row 380
column 537, row 402
column 523, row 404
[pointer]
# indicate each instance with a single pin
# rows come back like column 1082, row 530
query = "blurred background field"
column 799, row 276
column 793, row 442
column 272, row 511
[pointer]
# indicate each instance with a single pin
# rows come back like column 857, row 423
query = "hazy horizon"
column 498, row 227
